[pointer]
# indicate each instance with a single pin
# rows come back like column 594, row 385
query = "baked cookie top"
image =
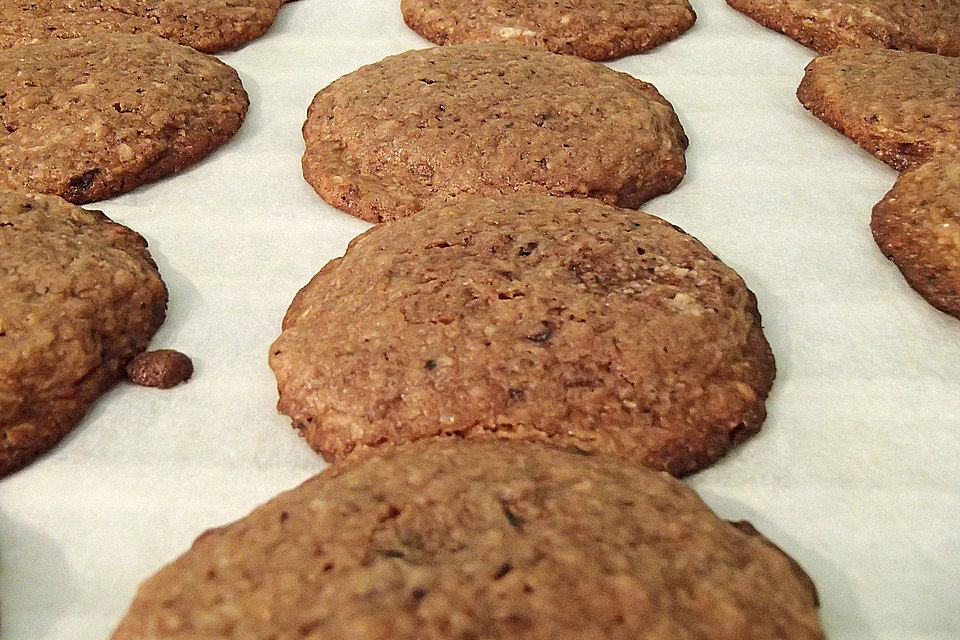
column 900, row 106
column 448, row 539
column 927, row 25
column 90, row 118
column 917, row 225
column 207, row 25
column 531, row 318
column 426, row 126
column 594, row 29
column 79, row 297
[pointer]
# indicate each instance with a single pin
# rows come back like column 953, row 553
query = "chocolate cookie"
column 917, row 225
column 451, row 540
column 79, row 297
column 207, row 25
column 424, row 127
column 531, row 318
column 91, row 118
column 900, row 106
column 912, row 25
column 594, row 29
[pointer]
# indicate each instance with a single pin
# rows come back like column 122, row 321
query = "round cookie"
column 452, row 540
column 593, row 29
column 206, row 25
column 912, row 25
column 902, row 107
column 424, row 127
column 917, row 225
column 527, row 317
column 79, row 297
column 90, row 118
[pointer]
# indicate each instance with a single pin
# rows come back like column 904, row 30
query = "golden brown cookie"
column 206, row 25
column 593, row 29
column 90, row 118
column 79, row 297
column 902, row 107
column 425, row 127
column 452, row 540
column 532, row 318
column 911, row 25
column 917, row 225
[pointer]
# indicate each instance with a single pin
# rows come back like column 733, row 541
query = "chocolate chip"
column 543, row 335
column 160, row 369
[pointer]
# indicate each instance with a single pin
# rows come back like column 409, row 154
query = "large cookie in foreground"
column 917, row 225
column 911, row 25
column 206, row 25
column 79, row 297
column 532, row 318
column 593, row 29
column 424, row 127
column 902, row 107
column 90, row 118
column 450, row 540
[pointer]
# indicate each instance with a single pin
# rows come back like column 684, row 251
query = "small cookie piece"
column 917, row 225
column 911, row 25
column 527, row 317
column 206, row 25
column 79, row 297
column 425, row 127
column 593, row 29
column 450, row 540
column 161, row 369
column 902, row 107
column 91, row 118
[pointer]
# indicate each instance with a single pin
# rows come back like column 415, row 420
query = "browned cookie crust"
column 424, row 127
column 161, row 369
column 900, row 106
column 91, row 118
column 594, row 29
column 918, row 25
column 532, row 318
column 207, row 25
column 451, row 540
column 79, row 297
column 917, row 225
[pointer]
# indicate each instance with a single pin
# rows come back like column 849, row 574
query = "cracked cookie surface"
column 593, row 29
column 91, row 118
column 451, row 540
column 205, row 25
column 527, row 317
column 424, row 127
column 79, row 297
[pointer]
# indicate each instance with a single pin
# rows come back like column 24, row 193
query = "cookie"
column 449, row 539
column 161, row 369
column 424, row 127
column 90, row 118
column 79, row 297
column 527, row 317
column 206, row 25
column 593, row 29
column 910, row 25
column 917, row 225
column 902, row 107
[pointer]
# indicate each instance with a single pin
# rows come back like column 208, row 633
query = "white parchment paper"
column 855, row 473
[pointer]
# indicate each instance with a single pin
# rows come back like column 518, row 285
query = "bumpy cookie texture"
column 79, row 297
column 917, row 225
column 452, row 540
column 206, row 25
column 90, row 118
column 912, row 25
column 162, row 369
column 531, row 318
column 594, row 29
column 902, row 107
column 425, row 127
